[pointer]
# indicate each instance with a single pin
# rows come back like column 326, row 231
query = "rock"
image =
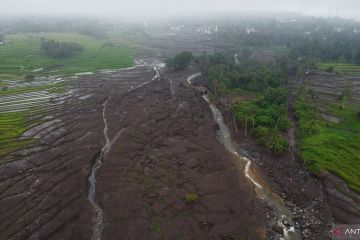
column 192, row 163
column 216, row 126
column 286, row 223
column 147, row 171
column 278, row 228
column 306, row 232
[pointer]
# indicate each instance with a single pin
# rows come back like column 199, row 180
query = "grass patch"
column 335, row 152
column 341, row 67
column 51, row 88
column 282, row 50
column 335, row 147
column 22, row 54
column 191, row 198
column 12, row 126
column 155, row 225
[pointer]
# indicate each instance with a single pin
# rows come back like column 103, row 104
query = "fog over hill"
column 158, row 8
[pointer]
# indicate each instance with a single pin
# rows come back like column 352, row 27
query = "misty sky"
column 344, row 8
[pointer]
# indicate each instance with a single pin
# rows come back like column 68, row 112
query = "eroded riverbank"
column 283, row 214
column 302, row 193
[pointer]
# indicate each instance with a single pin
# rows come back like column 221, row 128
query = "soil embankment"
column 303, row 193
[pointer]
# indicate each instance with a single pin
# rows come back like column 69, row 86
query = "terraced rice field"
column 344, row 68
column 24, row 105
column 328, row 88
column 335, row 146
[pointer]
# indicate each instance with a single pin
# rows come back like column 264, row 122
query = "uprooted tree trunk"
column 246, row 127
column 236, row 129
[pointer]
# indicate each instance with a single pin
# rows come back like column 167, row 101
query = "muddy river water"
column 98, row 226
column 283, row 213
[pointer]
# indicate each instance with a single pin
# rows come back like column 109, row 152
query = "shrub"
column 330, row 69
column 191, row 198
column 180, row 61
column 60, row 50
column 29, row 77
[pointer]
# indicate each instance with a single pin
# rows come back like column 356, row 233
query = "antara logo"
column 352, row 231
column 339, row 232
column 346, row 232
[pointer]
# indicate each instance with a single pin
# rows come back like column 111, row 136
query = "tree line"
column 91, row 27
column 322, row 39
column 180, row 61
column 60, row 50
column 265, row 117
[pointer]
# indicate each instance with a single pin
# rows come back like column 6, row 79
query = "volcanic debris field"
column 162, row 173
column 134, row 154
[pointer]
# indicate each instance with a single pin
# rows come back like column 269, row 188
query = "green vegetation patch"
column 12, row 126
column 257, row 93
column 337, row 153
column 341, row 67
column 23, row 54
column 180, row 61
column 267, row 117
column 331, row 146
column 51, row 88
column 191, row 198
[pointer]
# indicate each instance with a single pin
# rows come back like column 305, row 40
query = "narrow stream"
column 99, row 213
column 98, row 226
column 191, row 77
column 157, row 73
column 283, row 213
column 156, row 76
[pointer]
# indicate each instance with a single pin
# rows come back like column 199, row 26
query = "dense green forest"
column 60, row 50
column 180, row 61
column 327, row 39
